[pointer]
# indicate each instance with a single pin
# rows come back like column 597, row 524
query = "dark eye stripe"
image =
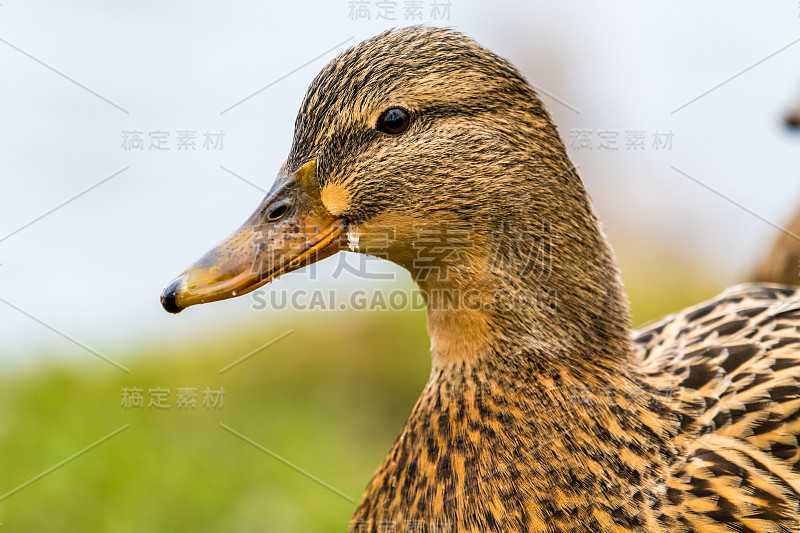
column 394, row 120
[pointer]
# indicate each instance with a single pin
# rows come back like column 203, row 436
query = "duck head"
column 434, row 153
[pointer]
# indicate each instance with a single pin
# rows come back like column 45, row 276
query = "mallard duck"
column 543, row 411
column 782, row 262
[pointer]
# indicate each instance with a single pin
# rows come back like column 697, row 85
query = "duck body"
column 543, row 411
column 701, row 435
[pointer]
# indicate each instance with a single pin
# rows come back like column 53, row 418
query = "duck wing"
column 733, row 366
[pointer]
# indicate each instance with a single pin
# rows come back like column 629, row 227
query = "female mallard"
column 543, row 412
column 782, row 263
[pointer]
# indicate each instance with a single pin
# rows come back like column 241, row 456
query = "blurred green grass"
column 329, row 398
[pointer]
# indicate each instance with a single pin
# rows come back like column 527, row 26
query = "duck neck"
column 530, row 450
column 535, row 413
column 535, row 293
column 533, row 417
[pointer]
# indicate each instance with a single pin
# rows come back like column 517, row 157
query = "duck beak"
column 290, row 229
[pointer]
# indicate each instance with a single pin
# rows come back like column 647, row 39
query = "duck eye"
column 394, row 121
column 277, row 211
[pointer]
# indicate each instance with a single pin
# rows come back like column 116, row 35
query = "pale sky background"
column 93, row 269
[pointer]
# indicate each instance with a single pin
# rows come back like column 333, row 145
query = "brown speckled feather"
column 707, row 441
column 735, row 365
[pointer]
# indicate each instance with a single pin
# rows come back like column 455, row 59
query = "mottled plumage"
column 703, row 438
column 733, row 363
column 543, row 411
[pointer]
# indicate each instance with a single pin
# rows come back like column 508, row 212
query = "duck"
column 792, row 118
column 544, row 410
column 782, row 262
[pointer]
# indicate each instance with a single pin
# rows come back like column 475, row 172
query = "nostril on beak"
column 168, row 301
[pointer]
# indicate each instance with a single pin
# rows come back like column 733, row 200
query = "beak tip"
column 168, row 298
